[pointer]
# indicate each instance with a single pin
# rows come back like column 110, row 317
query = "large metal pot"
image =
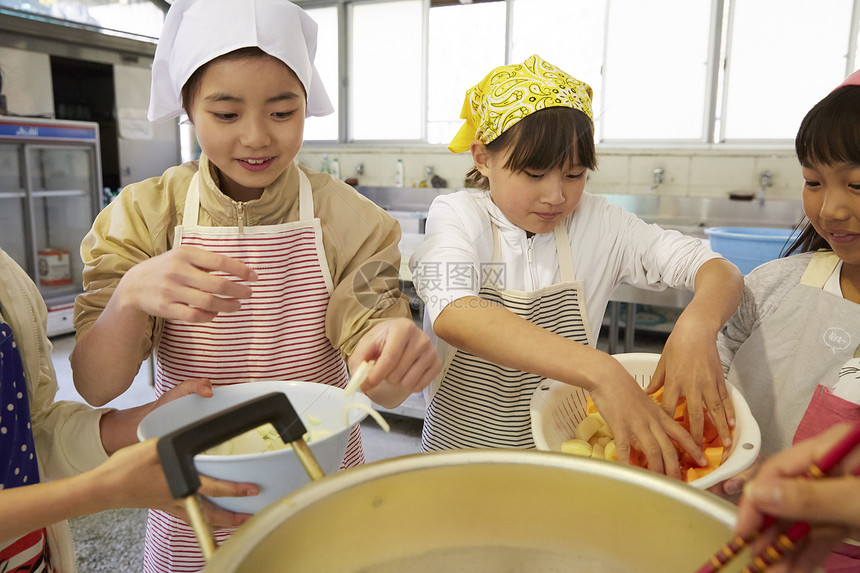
column 484, row 511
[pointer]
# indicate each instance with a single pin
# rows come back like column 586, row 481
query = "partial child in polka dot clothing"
column 68, row 442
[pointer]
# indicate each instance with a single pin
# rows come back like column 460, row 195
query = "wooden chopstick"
column 787, row 540
column 357, row 379
column 785, row 543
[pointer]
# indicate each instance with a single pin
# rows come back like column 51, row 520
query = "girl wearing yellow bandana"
column 516, row 275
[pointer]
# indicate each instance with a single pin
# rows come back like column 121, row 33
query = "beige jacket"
column 359, row 238
column 66, row 433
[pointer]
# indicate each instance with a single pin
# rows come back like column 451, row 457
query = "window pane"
column 133, row 16
column 326, row 63
column 386, row 87
column 656, row 69
column 768, row 95
column 572, row 39
column 450, row 72
column 139, row 17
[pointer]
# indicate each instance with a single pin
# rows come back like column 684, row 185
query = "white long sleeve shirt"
column 609, row 245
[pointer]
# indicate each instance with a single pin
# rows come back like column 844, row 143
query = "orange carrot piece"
column 712, row 446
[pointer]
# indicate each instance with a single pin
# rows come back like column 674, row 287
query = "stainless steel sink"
column 689, row 215
column 403, row 198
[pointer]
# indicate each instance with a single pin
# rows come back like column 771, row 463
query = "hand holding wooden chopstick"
column 358, row 377
column 787, row 540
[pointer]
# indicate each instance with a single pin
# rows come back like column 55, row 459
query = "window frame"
column 725, row 46
column 715, row 100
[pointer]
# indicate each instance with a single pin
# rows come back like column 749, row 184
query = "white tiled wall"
column 706, row 171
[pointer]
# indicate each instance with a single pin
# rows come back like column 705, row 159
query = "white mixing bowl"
column 277, row 472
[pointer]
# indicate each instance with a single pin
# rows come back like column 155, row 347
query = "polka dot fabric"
column 17, row 454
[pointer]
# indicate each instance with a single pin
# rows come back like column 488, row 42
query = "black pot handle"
column 178, row 448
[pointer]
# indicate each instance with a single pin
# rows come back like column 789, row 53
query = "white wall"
column 27, row 82
column 703, row 171
column 145, row 149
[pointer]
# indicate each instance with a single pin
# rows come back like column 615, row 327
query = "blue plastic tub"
column 749, row 247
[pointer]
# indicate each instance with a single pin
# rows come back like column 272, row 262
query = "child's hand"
column 732, row 488
column 636, row 420
column 133, row 477
column 406, row 361
column 200, row 386
column 690, row 366
column 118, row 428
column 181, row 285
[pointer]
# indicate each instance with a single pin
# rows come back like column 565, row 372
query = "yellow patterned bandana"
column 509, row 93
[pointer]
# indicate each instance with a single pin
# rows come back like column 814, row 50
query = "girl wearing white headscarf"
column 243, row 266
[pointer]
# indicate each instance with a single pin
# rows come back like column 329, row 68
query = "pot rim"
column 240, row 544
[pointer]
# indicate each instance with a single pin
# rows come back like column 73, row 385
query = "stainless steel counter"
column 690, row 216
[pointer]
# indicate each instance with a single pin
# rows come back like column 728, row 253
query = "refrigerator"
column 50, row 193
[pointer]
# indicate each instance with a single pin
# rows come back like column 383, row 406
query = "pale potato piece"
column 577, row 447
column 258, row 440
column 609, row 452
column 605, row 432
column 598, row 451
column 587, row 427
column 603, row 440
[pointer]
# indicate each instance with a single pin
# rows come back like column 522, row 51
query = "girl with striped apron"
column 480, row 404
column 279, row 334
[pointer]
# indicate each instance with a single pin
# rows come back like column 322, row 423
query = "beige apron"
column 279, row 334
column 479, row 404
column 779, row 374
column 788, row 381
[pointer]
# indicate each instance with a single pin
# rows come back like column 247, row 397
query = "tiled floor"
column 112, row 541
column 140, row 392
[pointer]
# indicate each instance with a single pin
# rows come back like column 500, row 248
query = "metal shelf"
column 60, row 193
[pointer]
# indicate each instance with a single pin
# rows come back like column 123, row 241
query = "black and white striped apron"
column 479, row 404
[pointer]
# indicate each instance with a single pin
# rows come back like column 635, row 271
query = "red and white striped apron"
column 279, row 334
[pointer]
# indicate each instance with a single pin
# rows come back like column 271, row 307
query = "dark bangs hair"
column 555, row 137
column 829, row 134
column 192, row 85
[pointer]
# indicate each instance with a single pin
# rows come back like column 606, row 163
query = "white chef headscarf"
column 198, row 31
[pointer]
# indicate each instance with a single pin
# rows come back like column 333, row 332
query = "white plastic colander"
column 557, row 408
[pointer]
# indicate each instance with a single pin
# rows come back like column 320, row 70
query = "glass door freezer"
column 50, row 193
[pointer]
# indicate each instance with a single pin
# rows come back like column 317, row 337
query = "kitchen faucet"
column 657, row 180
column 765, row 181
